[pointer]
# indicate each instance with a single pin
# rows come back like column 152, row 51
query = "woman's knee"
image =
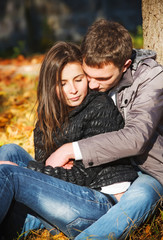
column 14, row 153
column 11, row 147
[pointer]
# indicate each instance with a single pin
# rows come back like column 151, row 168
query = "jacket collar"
column 138, row 55
column 125, row 81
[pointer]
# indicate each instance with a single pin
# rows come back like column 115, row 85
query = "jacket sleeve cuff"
column 77, row 152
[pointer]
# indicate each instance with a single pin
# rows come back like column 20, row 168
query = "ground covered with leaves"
column 18, row 84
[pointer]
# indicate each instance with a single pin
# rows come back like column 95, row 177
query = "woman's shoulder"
column 100, row 98
column 94, row 101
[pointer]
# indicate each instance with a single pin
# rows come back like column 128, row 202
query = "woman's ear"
column 127, row 64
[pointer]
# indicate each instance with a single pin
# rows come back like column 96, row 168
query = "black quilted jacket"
column 97, row 114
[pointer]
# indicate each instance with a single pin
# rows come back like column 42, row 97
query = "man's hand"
column 61, row 157
column 8, row 162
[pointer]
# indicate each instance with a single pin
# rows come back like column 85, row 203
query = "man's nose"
column 93, row 84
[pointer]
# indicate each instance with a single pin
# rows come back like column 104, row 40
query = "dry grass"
column 44, row 235
column 151, row 230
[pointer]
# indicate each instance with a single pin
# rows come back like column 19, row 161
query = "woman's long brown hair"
column 53, row 111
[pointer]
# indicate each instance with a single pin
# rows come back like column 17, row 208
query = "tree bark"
column 152, row 14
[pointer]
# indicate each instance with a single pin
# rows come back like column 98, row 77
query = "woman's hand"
column 8, row 162
column 61, row 157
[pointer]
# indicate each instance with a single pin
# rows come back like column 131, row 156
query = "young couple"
column 110, row 196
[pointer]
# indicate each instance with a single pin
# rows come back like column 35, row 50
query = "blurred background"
column 32, row 26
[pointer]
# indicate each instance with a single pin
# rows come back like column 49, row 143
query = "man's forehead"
column 104, row 72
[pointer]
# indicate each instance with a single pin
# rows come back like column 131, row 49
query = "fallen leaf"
column 148, row 230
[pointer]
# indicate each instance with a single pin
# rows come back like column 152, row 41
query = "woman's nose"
column 73, row 89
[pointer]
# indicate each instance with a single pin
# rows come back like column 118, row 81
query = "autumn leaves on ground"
column 18, row 84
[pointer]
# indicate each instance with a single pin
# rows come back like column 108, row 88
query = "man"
column 135, row 83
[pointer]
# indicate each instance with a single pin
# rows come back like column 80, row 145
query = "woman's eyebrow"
column 80, row 75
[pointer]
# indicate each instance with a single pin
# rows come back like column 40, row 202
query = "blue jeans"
column 20, row 219
column 77, row 211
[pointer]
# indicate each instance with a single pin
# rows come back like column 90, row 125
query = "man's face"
column 104, row 78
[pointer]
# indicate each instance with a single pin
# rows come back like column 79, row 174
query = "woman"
column 66, row 113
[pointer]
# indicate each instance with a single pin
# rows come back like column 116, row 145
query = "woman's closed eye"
column 78, row 80
column 63, row 83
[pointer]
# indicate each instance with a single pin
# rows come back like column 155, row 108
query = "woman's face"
column 74, row 84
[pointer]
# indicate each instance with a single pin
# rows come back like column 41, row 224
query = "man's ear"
column 127, row 64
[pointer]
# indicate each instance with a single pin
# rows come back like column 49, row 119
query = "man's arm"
column 142, row 120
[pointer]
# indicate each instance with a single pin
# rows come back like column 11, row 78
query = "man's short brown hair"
column 106, row 41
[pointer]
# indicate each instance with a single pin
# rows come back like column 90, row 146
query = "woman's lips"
column 74, row 99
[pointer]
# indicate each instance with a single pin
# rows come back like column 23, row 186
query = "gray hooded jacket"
column 139, row 96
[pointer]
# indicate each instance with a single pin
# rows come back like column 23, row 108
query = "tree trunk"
column 152, row 14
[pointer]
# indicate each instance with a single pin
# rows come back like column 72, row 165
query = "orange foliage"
column 45, row 235
column 18, row 83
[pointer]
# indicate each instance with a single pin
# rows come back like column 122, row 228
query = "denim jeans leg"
column 133, row 209
column 17, row 219
column 14, row 153
column 69, row 207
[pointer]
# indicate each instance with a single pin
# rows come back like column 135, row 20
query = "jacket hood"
column 139, row 55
